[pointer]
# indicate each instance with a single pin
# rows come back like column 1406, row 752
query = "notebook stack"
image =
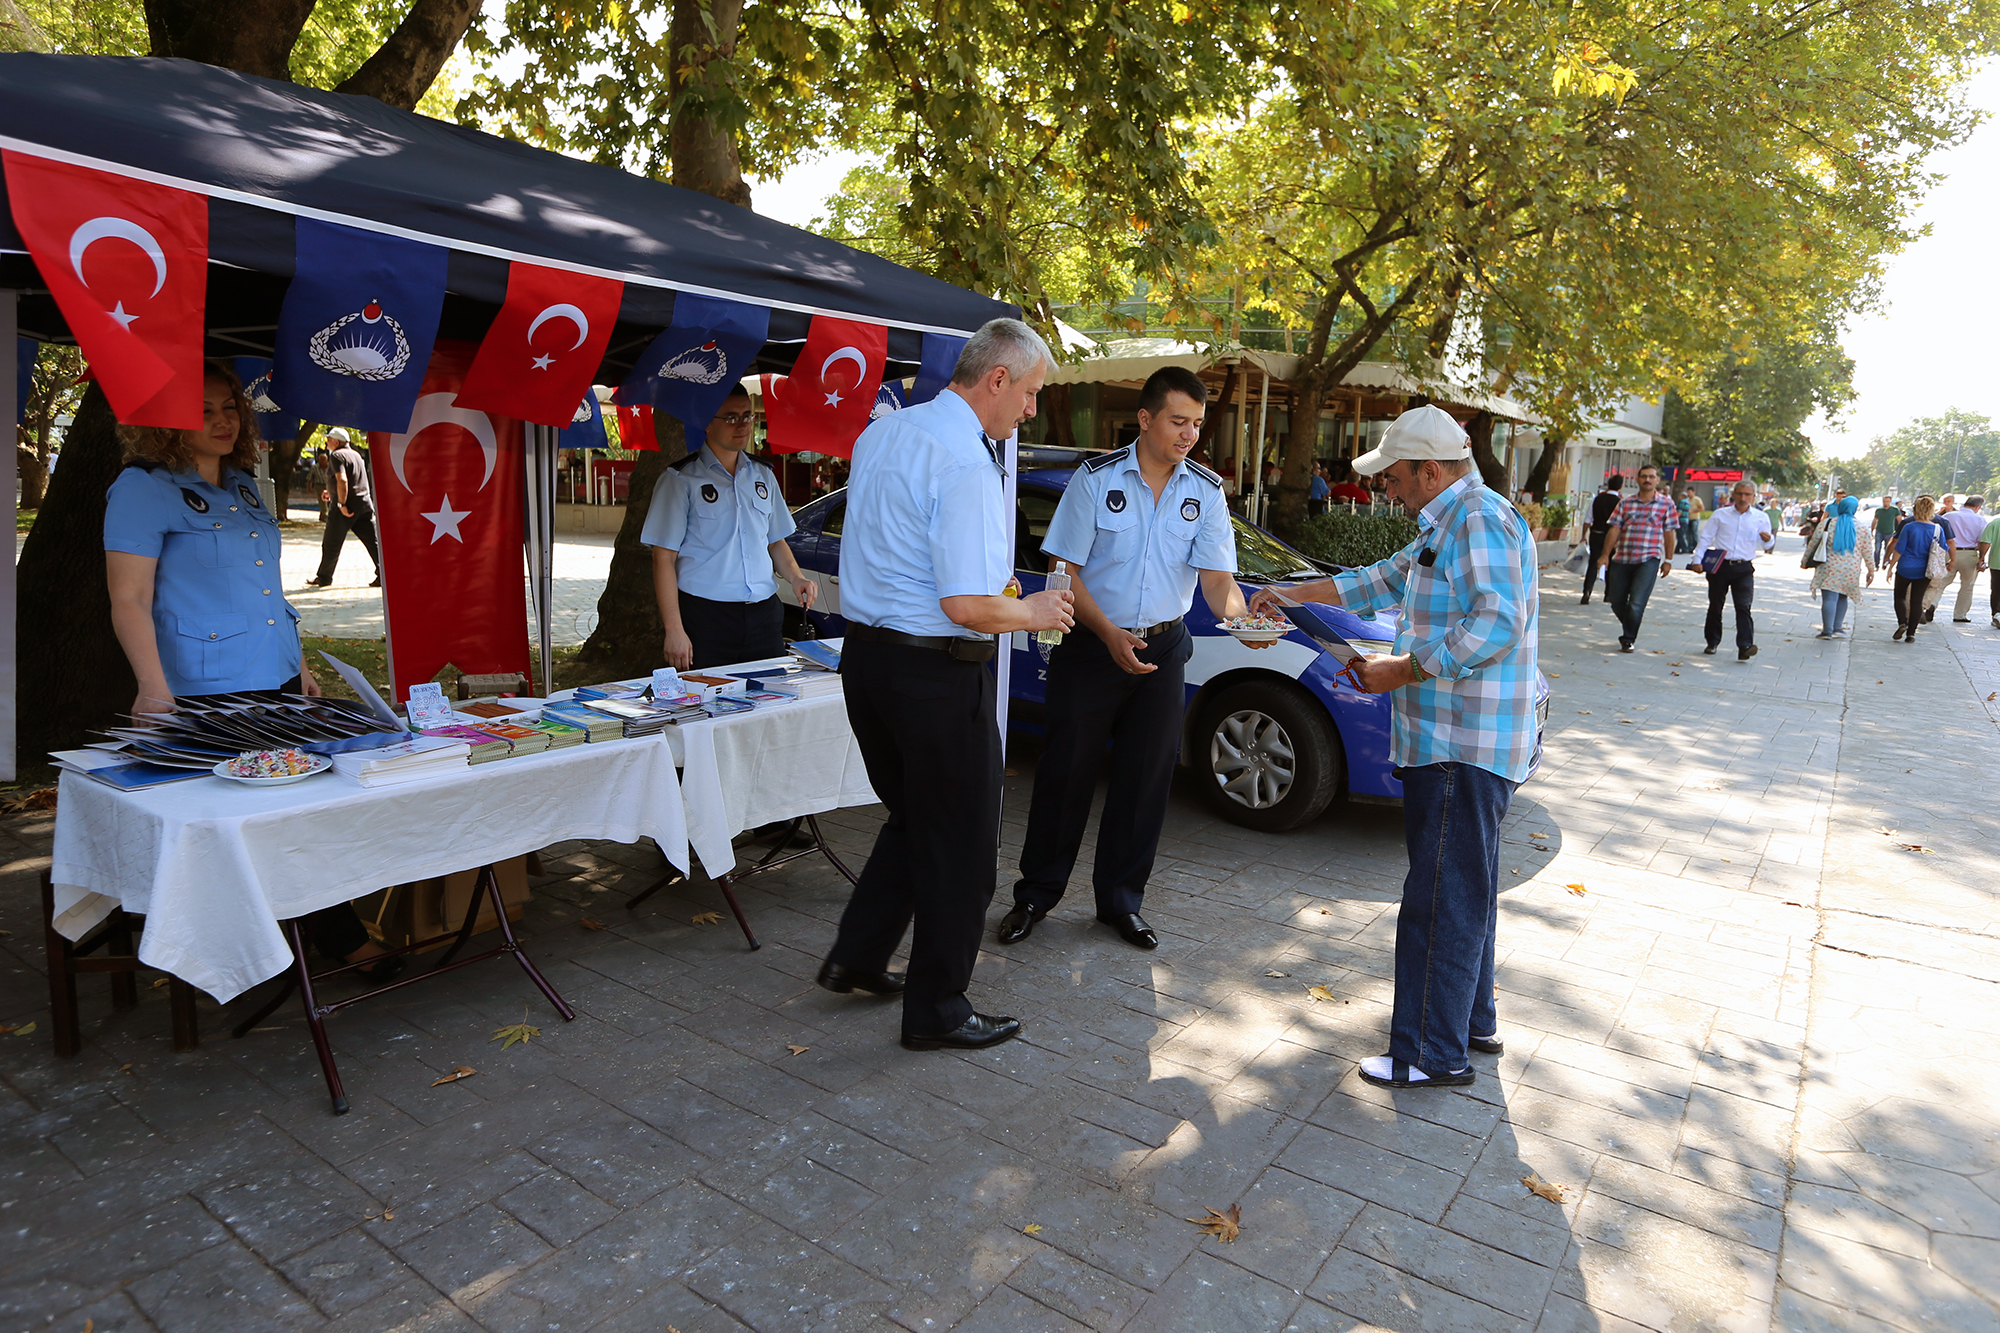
column 409, row 760
column 645, row 719
column 595, row 726
column 483, row 747
column 561, row 735
column 520, row 739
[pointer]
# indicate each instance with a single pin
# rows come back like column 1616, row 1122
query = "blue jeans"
column 1451, row 899
column 1832, row 610
column 1628, row 587
column 1883, row 541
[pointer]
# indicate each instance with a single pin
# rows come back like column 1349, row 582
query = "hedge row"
column 1356, row 539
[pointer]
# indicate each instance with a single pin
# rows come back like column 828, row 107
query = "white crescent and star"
column 124, row 229
column 844, row 354
column 444, row 523
column 439, row 409
column 562, row 310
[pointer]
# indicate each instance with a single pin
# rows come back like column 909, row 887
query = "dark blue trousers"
column 1628, row 587
column 1451, row 900
column 1091, row 700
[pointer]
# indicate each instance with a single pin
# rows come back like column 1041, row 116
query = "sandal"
column 1487, row 1045
column 1396, row 1074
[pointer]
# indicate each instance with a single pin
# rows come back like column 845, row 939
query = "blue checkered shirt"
column 1470, row 619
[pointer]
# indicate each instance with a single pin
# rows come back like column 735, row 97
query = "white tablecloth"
column 215, row 865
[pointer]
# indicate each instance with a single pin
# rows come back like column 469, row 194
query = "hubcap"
column 1251, row 758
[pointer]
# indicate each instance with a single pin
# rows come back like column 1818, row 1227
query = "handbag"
column 1938, row 568
column 1815, row 555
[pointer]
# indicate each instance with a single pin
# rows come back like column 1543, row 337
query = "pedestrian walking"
column 925, row 560
column 1963, row 527
column 1844, row 561
column 1915, row 543
column 1888, row 516
column 351, row 508
column 1601, row 510
column 1463, row 738
column 1137, row 530
column 1638, row 550
column 1740, row 533
column 1988, row 539
column 1684, row 534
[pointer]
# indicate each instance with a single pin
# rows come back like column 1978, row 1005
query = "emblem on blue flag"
column 940, row 360
column 689, row 369
column 888, row 398
column 273, row 422
column 586, row 426
column 356, row 328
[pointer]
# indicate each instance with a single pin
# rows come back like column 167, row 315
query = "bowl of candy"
column 272, row 768
column 1257, row 629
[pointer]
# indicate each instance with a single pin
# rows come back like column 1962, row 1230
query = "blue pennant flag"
column 586, row 428
column 25, row 352
column 273, row 422
column 355, row 332
column 940, row 359
column 694, row 365
column 888, row 398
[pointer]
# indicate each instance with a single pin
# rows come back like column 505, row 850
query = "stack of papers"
column 816, row 653
column 116, row 769
column 596, row 726
column 521, row 740
column 561, row 735
column 483, row 748
column 409, row 760
column 639, row 719
column 807, row 684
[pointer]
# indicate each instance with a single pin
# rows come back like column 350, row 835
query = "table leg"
column 313, row 1019
column 124, row 985
column 472, row 916
column 64, row 1030
column 509, row 944
column 819, row 840
column 729, row 896
column 278, row 997
column 180, row 1003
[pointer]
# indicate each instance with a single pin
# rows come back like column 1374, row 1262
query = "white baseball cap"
column 338, row 433
column 1421, row 432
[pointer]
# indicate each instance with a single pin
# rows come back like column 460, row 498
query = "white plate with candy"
column 272, row 768
column 1257, row 629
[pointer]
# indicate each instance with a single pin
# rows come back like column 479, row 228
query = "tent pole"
column 10, row 406
column 1263, row 411
column 1003, row 661
column 540, row 458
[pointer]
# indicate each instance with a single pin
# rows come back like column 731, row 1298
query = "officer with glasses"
column 717, row 527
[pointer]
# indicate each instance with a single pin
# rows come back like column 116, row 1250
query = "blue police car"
column 1275, row 732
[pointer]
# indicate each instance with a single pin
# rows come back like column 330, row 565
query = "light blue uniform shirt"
column 219, row 610
column 1141, row 561
column 926, row 519
column 723, row 526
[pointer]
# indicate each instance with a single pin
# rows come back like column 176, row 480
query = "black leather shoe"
column 1131, row 928
column 1745, row 654
column 1018, row 924
column 1487, row 1045
column 841, row 980
column 975, row 1033
column 1709, row 651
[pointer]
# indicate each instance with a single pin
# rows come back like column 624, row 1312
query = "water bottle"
column 1058, row 582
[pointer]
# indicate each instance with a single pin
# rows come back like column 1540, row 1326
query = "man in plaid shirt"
column 1465, row 732
column 1638, row 548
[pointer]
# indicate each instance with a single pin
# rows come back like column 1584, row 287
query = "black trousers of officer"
column 924, row 722
column 727, row 632
column 1091, row 700
column 338, row 525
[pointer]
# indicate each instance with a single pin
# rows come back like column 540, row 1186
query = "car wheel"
column 1268, row 755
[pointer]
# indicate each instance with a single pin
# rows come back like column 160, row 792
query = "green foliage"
column 1356, row 539
column 1859, row 475
column 1556, row 515
column 1919, row 458
column 1747, row 411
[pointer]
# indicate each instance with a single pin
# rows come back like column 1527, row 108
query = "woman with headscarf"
column 1844, row 559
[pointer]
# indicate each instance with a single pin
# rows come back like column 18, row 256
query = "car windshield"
column 1262, row 558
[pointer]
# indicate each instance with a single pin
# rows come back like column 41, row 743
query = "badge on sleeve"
column 1190, row 509
column 249, row 496
column 763, row 491
column 194, row 502
column 708, row 492
column 1115, row 501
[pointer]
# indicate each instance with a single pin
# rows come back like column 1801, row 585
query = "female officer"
column 192, row 559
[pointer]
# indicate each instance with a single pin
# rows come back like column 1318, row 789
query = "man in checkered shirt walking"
column 1638, row 548
column 1465, row 733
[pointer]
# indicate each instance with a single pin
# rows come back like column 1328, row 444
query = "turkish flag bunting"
column 127, row 262
column 824, row 404
column 449, row 493
column 545, row 345
column 635, row 427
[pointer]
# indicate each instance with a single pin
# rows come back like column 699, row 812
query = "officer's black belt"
column 1148, row 631
column 963, row 650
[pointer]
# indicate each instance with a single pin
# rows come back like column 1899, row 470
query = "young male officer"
column 717, row 526
column 1138, row 528
column 926, row 556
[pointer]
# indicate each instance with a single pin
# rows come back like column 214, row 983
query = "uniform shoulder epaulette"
column 1112, row 459
column 1212, row 478
column 685, row 460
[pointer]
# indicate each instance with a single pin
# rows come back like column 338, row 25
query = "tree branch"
column 402, row 71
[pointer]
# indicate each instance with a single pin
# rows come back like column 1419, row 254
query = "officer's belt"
column 963, row 650
column 1150, row 630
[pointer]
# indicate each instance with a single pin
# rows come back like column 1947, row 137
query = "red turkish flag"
column 127, row 262
column 635, row 427
column 449, row 494
column 544, row 347
column 823, row 405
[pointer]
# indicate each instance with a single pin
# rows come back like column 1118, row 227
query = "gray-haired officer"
column 1138, row 527
column 717, row 526
column 925, row 559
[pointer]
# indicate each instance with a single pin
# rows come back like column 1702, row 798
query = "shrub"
column 1556, row 515
column 1356, row 539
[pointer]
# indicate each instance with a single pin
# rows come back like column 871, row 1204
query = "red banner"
column 823, row 405
column 537, row 360
column 127, row 263
column 635, row 428
column 449, row 493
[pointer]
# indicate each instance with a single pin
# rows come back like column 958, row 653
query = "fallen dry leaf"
column 1583, row 712
column 1676, row 664
column 1269, row 972
column 1222, row 1226
column 1555, row 675
column 1576, row 889
column 163, row 981
column 706, row 918
column 1323, row 911
column 1673, row 673
column 514, row 1032
column 1627, row 722
column 798, row 1050
column 1320, row 993
column 1538, row 835
column 386, row 1215
column 41, row 799
column 1989, row 698
column 1536, row 1185
column 463, row 1071
column 1917, row 847
column 24, row 1029
column 1033, row 1228
column 589, row 924
column 1659, row 652
column 89, row 1326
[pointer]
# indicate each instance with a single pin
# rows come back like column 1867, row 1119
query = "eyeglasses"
column 736, row 418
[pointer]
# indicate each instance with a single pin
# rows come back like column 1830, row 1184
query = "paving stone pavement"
column 1752, row 1052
